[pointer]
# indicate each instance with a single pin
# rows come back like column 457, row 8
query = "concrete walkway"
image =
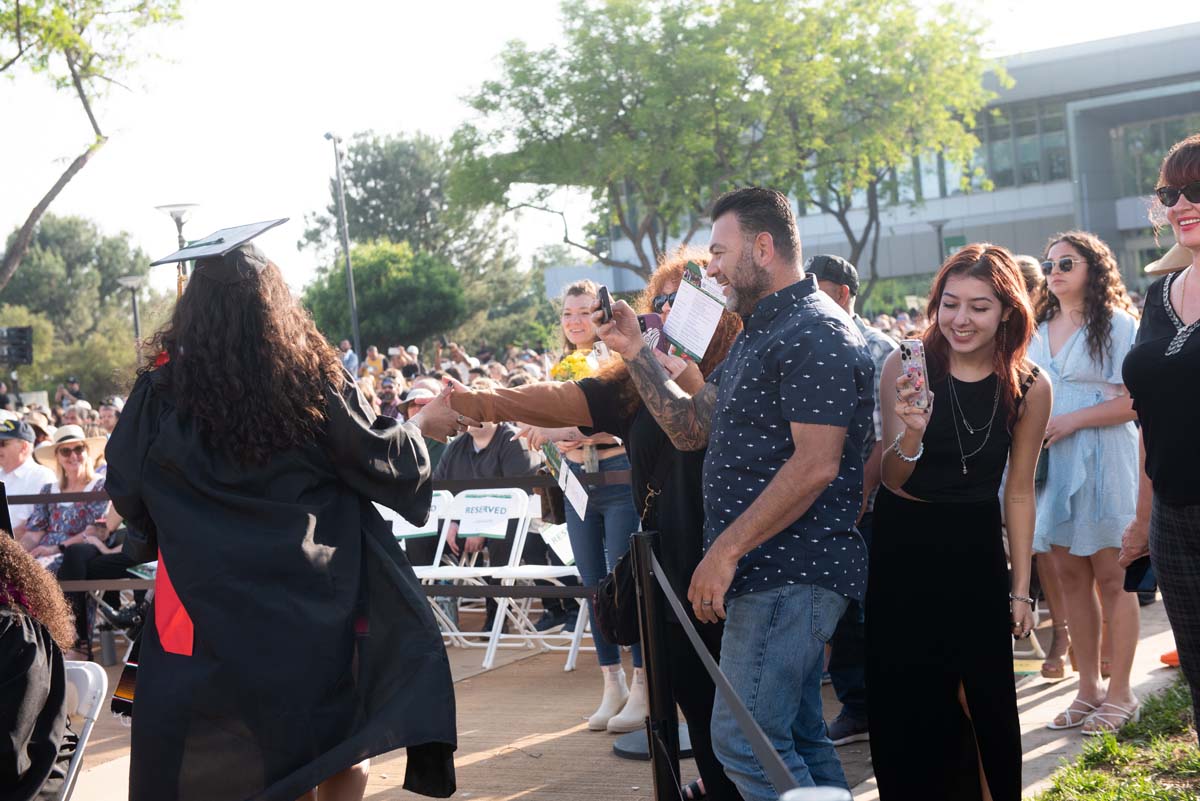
column 522, row 733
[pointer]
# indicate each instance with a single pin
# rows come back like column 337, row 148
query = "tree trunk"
column 14, row 254
column 873, row 226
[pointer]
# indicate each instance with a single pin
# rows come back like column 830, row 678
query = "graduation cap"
column 226, row 255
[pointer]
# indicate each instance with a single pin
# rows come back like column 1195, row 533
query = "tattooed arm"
column 686, row 419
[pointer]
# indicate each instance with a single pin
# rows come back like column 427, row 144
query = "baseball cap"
column 16, row 429
column 835, row 269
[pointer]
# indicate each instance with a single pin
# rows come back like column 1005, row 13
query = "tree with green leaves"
column 396, row 192
column 71, row 272
column 889, row 82
column 403, row 297
column 82, row 47
column 654, row 108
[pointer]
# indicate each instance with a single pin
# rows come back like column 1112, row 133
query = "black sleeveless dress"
column 937, row 616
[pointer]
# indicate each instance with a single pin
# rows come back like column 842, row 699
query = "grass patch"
column 1155, row 759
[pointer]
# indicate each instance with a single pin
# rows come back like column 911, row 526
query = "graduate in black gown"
column 35, row 625
column 289, row 640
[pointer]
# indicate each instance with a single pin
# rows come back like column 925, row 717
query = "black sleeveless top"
column 938, row 475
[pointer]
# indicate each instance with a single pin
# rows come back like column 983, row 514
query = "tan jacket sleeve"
column 549, row 405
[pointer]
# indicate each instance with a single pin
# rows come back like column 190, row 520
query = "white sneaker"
column 633, row 715
column 615, row 694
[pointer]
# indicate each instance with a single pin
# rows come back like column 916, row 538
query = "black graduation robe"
column 33, row 709
column 289, row 637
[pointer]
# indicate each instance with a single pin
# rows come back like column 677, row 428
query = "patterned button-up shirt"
column 799, row 359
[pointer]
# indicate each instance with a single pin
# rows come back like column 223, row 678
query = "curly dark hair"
column 670, row 271
column 1103, row 292
column 247, row 364
column 25, row 584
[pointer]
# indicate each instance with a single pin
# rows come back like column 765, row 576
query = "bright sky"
column 233, row 116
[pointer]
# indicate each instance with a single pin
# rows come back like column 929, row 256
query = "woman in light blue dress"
column 1086, row 326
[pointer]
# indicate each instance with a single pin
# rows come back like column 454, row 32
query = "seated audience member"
column 35, row 624
column 422, row 391
column 488, row 451
column 21, row 474
column 52, row 528
column 68, row 394
column 497, row 372
column 110, row 413
column 7, row 401
column 72, row 415
column 97, row 556
column 389, row 396
column 373, row 363
column 39, row 421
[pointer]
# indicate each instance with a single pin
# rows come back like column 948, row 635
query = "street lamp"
column 345, row 233
column 938, row 225
column 180, row 213
column 133, row 283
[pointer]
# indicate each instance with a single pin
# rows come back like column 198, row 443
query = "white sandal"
column 1070, row 713
column 1104, row 721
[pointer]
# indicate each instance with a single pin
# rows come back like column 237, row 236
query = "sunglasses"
column 1169, row 195
column 660, row 301
column 78, row 450
column 1065, row 265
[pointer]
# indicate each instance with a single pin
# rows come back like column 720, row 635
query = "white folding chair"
column 91, row 686
column 434, row 526
column 486, row 513
column 555, row 536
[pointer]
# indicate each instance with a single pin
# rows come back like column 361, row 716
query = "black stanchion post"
column 662, row 726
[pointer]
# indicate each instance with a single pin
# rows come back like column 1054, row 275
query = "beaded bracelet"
column 901, row 454
column 1030, row 601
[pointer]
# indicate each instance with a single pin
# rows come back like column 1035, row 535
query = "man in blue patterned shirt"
column 784, row 419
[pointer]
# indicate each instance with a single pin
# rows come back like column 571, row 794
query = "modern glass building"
column 1075, row 142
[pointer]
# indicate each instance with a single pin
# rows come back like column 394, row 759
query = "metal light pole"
column 939, row 225
column 179, row 212
column 345, row 234
column 133, row 283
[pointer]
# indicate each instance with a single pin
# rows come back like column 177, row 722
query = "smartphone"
column 912, row 361
column 652, row 333
column 605, row 305
column 442, row 341
column 1139, row 576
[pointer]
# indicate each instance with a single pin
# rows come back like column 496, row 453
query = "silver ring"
column 460, row 420
column 706, row 603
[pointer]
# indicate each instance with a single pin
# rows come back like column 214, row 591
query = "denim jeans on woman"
column 600, row 539
column 772, row 652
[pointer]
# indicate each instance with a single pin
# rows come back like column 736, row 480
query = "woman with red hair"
column 666, row 485
column 938, row 535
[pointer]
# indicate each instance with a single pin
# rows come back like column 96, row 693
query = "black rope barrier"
column 648, row 596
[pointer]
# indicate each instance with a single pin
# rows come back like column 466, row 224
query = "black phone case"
column 1139, row 576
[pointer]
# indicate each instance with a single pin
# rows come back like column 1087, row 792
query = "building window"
column 1055, row 154
column 1000, row 149
column 1138, row 150
column 1029, row 151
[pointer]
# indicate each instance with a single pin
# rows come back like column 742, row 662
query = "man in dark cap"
column 21, row 474
column 838, row 279
column 68, row 394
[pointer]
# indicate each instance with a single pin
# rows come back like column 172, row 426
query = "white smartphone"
column 912, row 361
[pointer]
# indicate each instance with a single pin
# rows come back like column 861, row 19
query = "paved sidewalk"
column 522, row 733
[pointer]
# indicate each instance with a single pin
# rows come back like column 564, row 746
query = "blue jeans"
column 600, row 539
column 771, row 652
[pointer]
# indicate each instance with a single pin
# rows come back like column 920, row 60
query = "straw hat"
column 44, row 453
column 1174, row 260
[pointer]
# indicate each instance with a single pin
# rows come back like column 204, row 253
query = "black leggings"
column 87, row 562
column 1175, row 556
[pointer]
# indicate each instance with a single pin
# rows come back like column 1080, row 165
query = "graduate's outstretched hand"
column 438, row 420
